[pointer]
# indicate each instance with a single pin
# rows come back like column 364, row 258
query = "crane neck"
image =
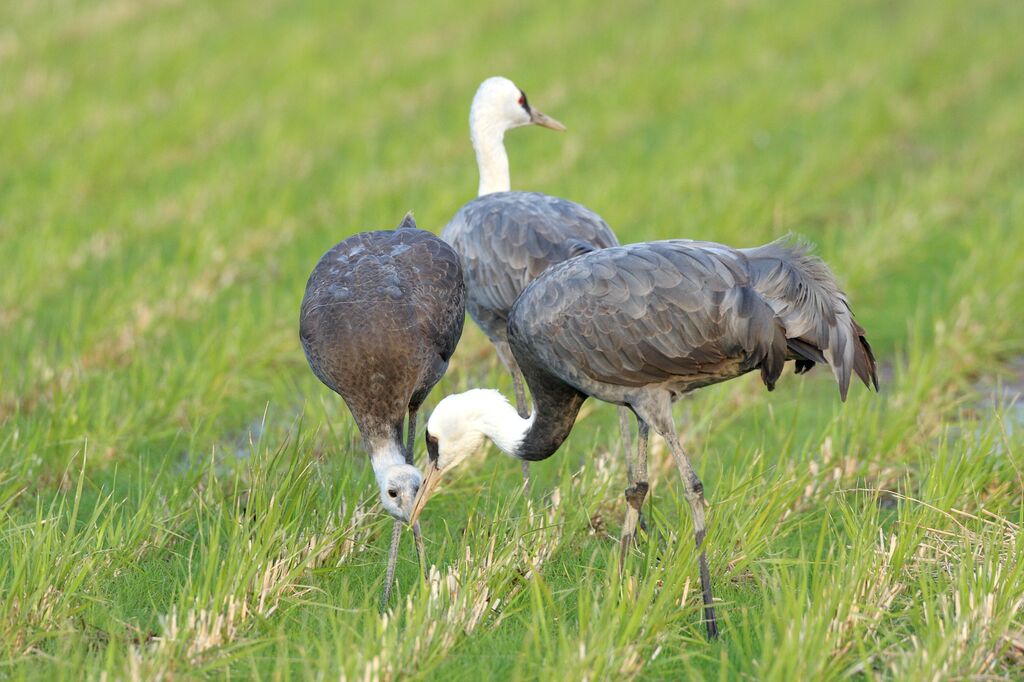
column 504, row 427
column 491, row 158
column 555, row 406
column 385, row 454
column 541, row 434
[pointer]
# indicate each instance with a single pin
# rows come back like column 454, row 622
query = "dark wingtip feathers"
column 408, row 222
column 864, row 362
column 864, row 365
column 788, row 270
column 775, row 358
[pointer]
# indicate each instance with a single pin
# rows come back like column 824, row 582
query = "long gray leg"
column 659, row 414
column 627, row 441
column 695, row 497
column 396, row 530
column 624, row 431
column 522, row 407
column 627, row 446
column 410, row 441
column 389, row 576
column 636, row 474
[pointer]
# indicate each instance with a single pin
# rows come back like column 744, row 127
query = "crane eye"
column 392, row 492
column 523, row 102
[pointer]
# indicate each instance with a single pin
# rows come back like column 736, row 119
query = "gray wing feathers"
column 647, row 314
column 805, row 295
column 687, row 314
column 507, row 239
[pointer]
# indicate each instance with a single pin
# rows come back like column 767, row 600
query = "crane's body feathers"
column 382, row 315
column 507, row 239
column 652, row 321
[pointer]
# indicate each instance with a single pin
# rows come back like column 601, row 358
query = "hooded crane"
column 505, row 238
column 382, row 314
column 640, row 326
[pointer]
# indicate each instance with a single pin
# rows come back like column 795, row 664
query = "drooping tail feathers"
column 819, row 324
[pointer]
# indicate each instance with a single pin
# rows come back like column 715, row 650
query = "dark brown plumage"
column 381, row 317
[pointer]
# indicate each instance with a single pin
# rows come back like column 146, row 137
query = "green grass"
column 180, row 497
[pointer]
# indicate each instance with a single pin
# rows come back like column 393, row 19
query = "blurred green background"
column 179, row 496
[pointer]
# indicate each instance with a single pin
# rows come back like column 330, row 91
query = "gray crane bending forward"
column 505, row 238
column 641, row 325
column 382, row 314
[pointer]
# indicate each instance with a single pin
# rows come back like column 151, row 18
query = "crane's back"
column 382, row 314
column 507, row 239
column 677, row 315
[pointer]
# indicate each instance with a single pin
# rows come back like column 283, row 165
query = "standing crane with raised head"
column 506, row 239
column 382, row 315
column 639, row 326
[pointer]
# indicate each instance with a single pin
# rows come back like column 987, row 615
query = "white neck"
column 500, row 422
column 385, row 455
column 489, row 143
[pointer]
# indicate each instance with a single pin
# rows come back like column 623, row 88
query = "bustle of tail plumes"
column 819, row 325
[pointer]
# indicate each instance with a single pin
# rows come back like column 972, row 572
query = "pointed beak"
column 430, row 482
column 541, row 119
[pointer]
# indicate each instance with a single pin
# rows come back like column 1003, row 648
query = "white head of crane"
column 399, row 482
column 499, row 105
column 457, row 428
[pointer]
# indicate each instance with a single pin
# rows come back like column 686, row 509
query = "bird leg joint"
column 635, row 495
column 696, row 487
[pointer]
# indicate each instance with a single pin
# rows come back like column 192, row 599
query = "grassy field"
column 180, row 497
